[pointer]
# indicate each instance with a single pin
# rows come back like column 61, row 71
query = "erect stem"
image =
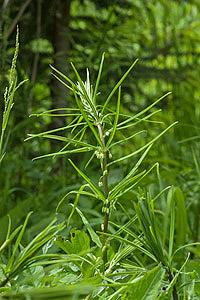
column 106, row 192
column 174, row 292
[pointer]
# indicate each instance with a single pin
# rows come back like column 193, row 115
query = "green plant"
column 9, row 97
column 145, row 263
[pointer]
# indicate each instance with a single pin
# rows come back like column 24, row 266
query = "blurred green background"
column 163, row 34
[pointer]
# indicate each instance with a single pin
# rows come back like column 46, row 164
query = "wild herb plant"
column 9, row 96
column 14, row 258
column 145, row 264
column 98, row 118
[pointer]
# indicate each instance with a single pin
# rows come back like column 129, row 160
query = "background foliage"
column 165, row 36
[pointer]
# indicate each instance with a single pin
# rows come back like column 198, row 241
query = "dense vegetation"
column 99, row 151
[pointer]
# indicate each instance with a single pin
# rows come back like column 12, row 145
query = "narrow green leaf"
column 98, row 79
column 145, row 110
column 31, row 136
column 133, row 170
column 78, row 150
column 11, row 260
column 10, row 238
column 80, row 105
column 136, row 244
column 144, row 147
column 71, row 141
column 185, row 246
column 116, row 120
column 76, row 202
column 89, row 161
column 181, row 217
column 126, row 139
column 91, row 184
column 76, row 193
column 84, row 91
column 61, row 81
column 117, row 85
column 172, row 226
column 138, row 121
column 123, row 185
column 61, row 74
column 91, row 231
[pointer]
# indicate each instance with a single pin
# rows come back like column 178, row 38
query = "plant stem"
column 1, row 142
column 174, row 292
column 106, row 192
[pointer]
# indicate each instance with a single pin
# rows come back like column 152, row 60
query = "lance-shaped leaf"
column 145, row 119
column 91, row 231
column 98, row 79
column 11, row 260
column 78, row 193
column 78, row 150
column 122, row 186
column 117, row 85
column 133, row 170
column 144, row 110
column 88, row 180
column 116, row 120
column 31, row 136
column 71, row 141
column 144, row 147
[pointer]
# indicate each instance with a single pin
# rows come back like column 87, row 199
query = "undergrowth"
column 138, row 249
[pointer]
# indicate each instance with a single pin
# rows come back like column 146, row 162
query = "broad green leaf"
column 41, row 45
column 147, row 287
column 79, row 243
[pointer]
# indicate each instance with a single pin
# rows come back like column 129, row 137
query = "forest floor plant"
column 145, row 262
column 104, row 125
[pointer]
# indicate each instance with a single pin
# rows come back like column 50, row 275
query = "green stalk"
column 1, row 141
column 174, row 291
column 106, row 206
